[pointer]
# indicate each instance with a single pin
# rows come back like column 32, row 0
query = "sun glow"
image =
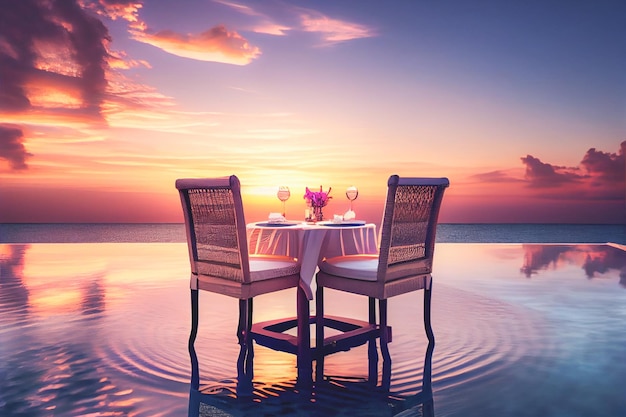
column 42, row 96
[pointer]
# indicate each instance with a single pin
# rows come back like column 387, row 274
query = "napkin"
column 338, row 218
column 276, row 218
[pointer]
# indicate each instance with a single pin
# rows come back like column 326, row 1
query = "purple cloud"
column 541, row 174
column 606, row 166
column 495, row 177
column 11, row 147
column 600, row 175
column 28, row 25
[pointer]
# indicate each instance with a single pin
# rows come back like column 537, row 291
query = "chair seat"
column 263, row 267
column 365, row 268
column 362, row 267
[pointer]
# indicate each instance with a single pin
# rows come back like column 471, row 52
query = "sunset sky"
column 105, row 103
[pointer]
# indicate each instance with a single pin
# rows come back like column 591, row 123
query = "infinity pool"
column 521, row 330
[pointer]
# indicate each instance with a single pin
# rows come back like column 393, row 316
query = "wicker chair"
column 403, row 264
column 220, row 262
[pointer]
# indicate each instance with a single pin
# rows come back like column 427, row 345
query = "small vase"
column 318, row 215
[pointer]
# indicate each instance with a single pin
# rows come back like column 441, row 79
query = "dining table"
column 311, row 242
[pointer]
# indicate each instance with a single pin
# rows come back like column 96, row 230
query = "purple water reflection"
column 101, row 329
column 595, row 260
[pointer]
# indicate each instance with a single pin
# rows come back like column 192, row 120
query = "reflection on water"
column 331, row 395
column 595, row 260
column 48, row 366
column 101, row 329
column 56, row 302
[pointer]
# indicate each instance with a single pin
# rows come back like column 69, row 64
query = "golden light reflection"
column 48, row 263
column 55, row 285
column 273, row 366
column 50, row 301
column 59, row 276
column 5, row 251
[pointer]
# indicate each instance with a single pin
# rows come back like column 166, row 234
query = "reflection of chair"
column 220, row 263
column 423, row 399
column 337, row 392
column 403, row 264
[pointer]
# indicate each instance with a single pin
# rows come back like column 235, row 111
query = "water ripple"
column 477, row 338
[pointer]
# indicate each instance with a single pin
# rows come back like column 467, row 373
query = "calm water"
column 100, row 329
column 447, row 233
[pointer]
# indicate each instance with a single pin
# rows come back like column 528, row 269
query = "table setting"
column 313, row 238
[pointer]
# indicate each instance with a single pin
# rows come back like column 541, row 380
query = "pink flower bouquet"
column 317, row 198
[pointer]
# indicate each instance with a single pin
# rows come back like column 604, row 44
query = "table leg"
column 304, row 360
column 319, row 334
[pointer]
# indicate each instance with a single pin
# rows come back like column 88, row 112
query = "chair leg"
column 248, row 338
column 372, row 310
column 427, row 326
column 195, row 372
column 384, row 344
column 250, row 301
column 249, row 343
column 372, row 351
column 319, row 334
column 245, row 321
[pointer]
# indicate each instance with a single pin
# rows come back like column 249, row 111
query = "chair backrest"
column 409, row 226
column 215, row 226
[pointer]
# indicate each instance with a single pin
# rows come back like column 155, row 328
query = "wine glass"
column 283, row 195
column 351, row 193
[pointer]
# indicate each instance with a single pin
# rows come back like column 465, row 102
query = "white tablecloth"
column 310, row 243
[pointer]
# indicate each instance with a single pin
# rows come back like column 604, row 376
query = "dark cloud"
column 88, row 36
column 601, row 175
column 21, row 24
column 65, row 28
column 606, row 166
column 541, row 174
column 11, row 147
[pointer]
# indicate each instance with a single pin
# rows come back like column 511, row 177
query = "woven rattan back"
column 409, row 225
column 215, row 227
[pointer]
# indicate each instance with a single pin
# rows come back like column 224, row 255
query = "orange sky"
column 104, row 104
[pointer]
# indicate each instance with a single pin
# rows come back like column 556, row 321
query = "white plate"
column 277, row 224
column 344, row 223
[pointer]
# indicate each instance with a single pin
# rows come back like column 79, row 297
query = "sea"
column 528, row 320
column 446, row 233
